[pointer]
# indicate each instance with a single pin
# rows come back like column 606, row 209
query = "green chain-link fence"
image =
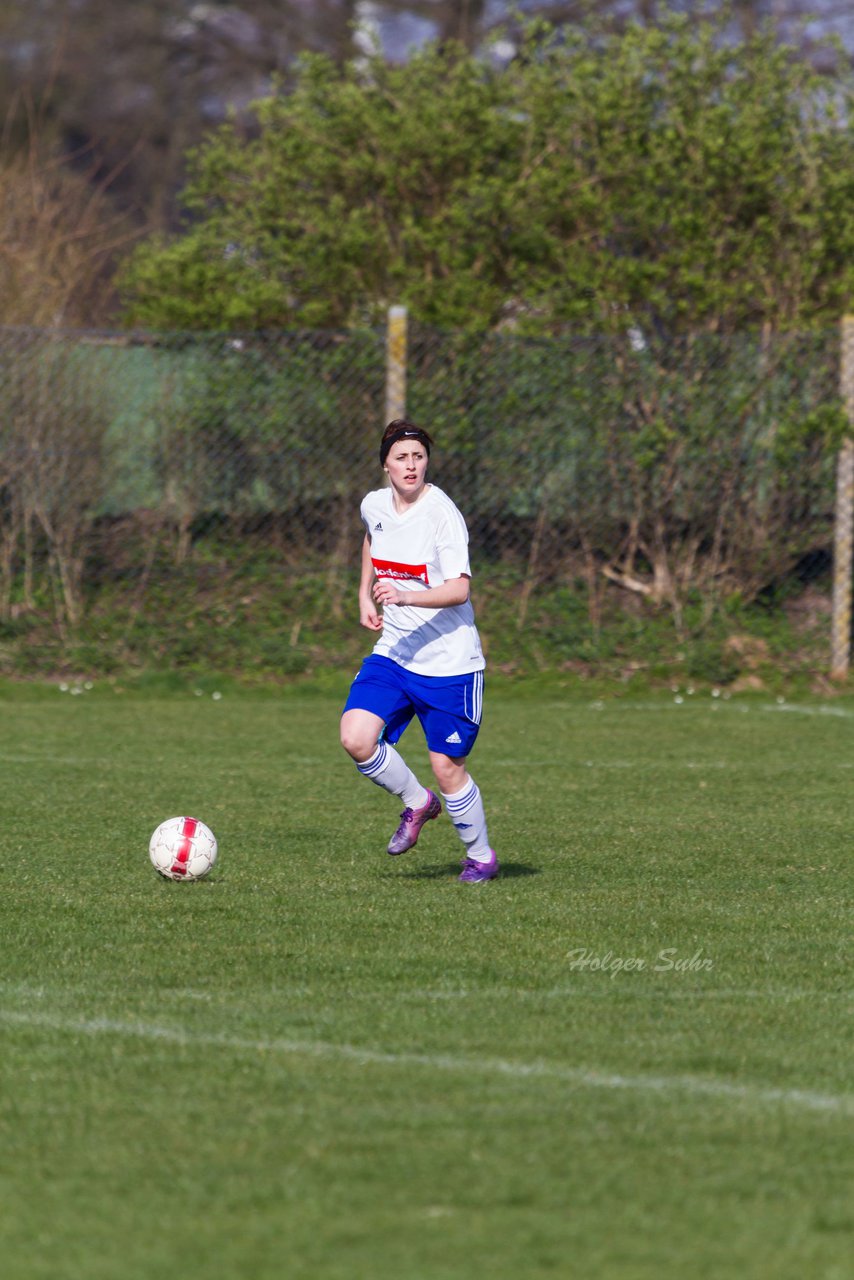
column 675, row 471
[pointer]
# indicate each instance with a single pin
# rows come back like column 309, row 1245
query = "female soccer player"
column 428, row 661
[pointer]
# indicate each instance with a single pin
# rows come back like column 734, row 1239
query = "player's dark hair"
column 403, row 429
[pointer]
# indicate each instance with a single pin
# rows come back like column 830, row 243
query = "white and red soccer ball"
column 183, row 849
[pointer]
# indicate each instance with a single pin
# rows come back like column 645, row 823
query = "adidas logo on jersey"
column 378, row 527
column 454, row 737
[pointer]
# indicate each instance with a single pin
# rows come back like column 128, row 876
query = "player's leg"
column 375, row 716
column 449, row 711
column 383, row 764
column 464, row 804
column 361, row 738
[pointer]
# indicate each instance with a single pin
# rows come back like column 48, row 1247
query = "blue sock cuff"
column 458, row 804
column 376, row 762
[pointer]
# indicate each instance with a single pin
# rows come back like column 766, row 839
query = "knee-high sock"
column 465, row 809
column 388, row 769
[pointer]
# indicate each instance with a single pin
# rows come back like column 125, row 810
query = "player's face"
column 406, row 465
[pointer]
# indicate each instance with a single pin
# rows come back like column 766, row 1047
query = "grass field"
column 629, row 1058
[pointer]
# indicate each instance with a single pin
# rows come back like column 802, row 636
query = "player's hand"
column 369, row 618
column 386, row 592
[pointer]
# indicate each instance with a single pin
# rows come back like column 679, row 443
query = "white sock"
column 390, row 771
column 465, row 809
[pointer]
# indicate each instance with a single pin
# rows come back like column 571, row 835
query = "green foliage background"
column 659, row 175
column 631, row 505
column 624, row 257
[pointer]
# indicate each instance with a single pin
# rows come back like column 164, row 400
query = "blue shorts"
column 448, row 707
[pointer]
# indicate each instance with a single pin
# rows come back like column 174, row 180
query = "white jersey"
column 423, row 547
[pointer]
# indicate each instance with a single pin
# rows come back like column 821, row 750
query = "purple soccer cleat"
column 411, row 822
column 475, row 872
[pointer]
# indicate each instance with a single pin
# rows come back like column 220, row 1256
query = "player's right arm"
column 368, row 615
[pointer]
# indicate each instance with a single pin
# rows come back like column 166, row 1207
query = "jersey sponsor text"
column 401, row 572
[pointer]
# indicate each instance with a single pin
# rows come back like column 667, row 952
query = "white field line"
column 129, row 762
column 761, row 1095
column 589, row 987
column 88, row 762
column 610, row 990
column 580, row 991
column 648, row 766
column 719, row 704
column 637, row 765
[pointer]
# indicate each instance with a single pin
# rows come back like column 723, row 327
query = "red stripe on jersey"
column 185, row 848
column 392, row 569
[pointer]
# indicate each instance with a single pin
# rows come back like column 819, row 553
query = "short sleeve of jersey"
column 364, row 514
column 452, row 544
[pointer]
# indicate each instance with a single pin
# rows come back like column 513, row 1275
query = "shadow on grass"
column 446, row 870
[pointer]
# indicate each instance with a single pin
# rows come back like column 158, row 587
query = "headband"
column 403, row 433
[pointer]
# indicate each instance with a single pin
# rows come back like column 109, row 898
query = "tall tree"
column 138, row 84
column 60, row 235
column 656, row 175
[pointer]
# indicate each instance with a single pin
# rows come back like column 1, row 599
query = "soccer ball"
column 183, row 849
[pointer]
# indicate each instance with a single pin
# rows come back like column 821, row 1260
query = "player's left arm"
column 453, row 591
column 453, row 557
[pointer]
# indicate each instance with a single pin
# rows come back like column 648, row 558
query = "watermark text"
column 668, row 960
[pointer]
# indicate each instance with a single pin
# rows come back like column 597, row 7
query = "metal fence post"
column 395, row 369
column 843, row 534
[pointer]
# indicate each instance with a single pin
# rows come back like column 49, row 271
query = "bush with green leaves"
column 664, row 174
column 702, row 464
